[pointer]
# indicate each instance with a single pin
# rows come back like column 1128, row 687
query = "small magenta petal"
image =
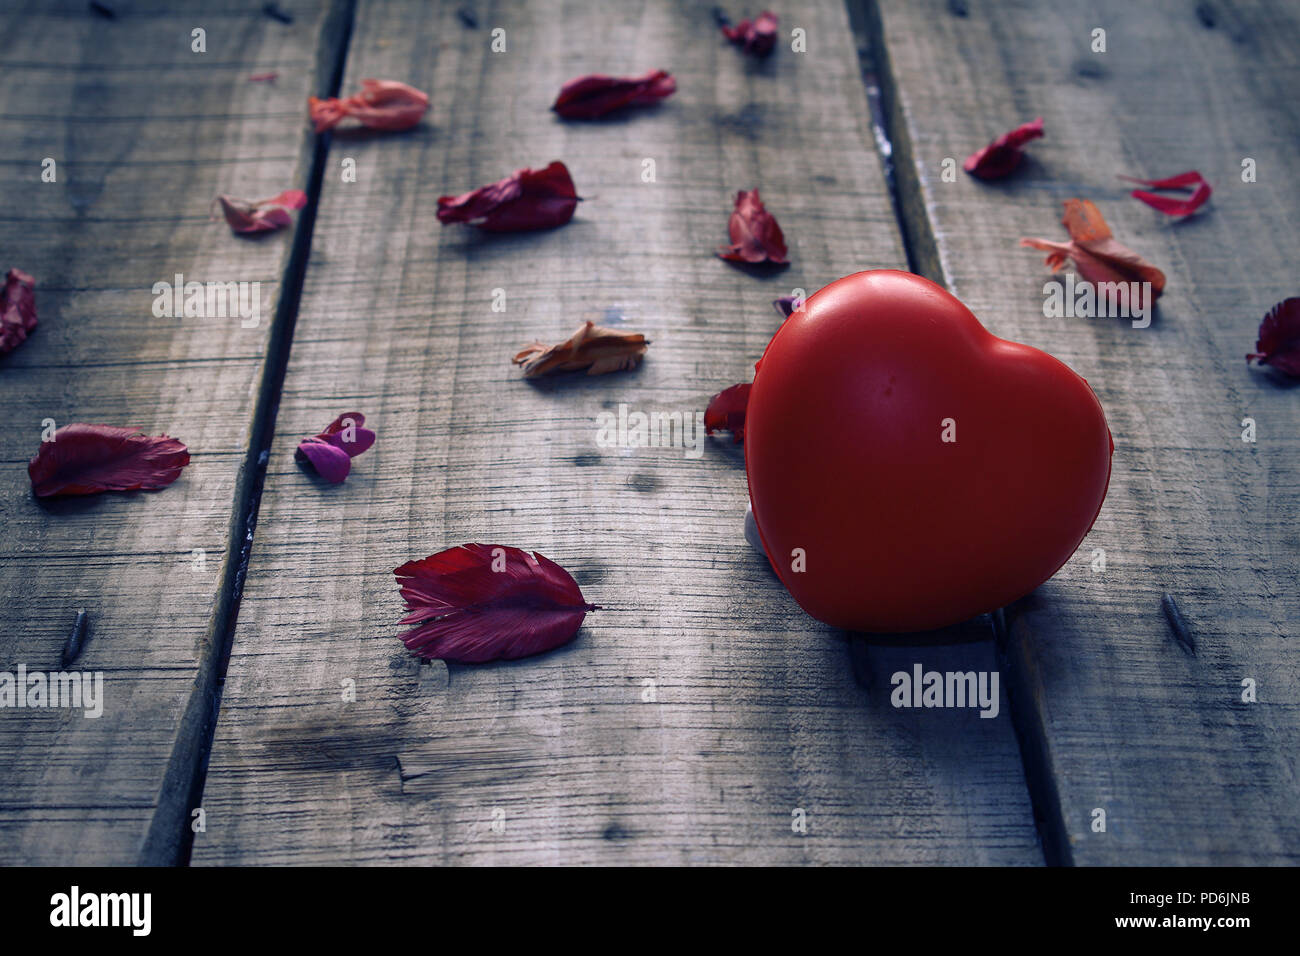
column 331, row 463
column 362, row 439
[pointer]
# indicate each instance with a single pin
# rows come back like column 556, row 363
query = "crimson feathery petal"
column 592, row 96
column 478, row 603
column 87, row 459
column 526, row 199
column 1278, row 345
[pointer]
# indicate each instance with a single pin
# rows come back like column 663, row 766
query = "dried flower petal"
column 526, row 199
column 1003, row 154
column 1098, row 256
column 1174, row 207
column 331, row 452
column 87, row 459
column 483, row 602
column 726, row 411
column 261, row 215
column 757, row 37
column 788, row 305
column 331, row 463
column 598, row 350
column 1278, row 344
column 588, row 97
column 755, row 235
column 381, row 104
column 17, row 310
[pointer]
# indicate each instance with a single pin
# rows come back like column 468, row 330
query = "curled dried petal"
column 17, row 310
column 588, row 97
column 381, row 104
column 598, row 350
column 526, row 199
column 726, row 411
column 757, row 36
column 1169, row 206
column 1099, row 257
column 260, row 215
column 755, row 235
column 1003, row 154
column 788, row 305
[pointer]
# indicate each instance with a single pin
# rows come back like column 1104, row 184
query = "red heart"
column 898, row 528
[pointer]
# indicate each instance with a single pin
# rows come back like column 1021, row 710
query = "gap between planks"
column 923, row 258
column 170, row 837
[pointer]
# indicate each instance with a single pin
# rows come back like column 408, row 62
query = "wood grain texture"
column 1125, row 719
column 144, row 132
column 757, row 712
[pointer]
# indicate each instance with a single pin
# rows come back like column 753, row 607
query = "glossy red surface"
column 901, row 530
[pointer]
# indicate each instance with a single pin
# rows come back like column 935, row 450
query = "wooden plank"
column 1118, row 716
column 757, row 710
column 145, row 132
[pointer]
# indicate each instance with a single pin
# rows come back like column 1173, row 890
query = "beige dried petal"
column 597, row 349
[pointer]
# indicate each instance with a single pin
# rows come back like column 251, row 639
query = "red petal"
column 17, row 310
column 330, row 461
column 588, row 97
column 726, row 411
column 1169, row 206
column 87, row 459
column 1097, row 254
column 755, row 235
column 483, row 602
column 289, row 199
column 757, row 36
column 1279, row 338
column 381, row 104
column 1003, row 154
column 527, row 199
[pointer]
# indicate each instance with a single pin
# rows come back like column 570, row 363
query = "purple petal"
column 332, row 464
column 362, row 440
column 787, row 305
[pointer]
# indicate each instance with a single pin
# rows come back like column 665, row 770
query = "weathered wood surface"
column 1123, row 718
column 757, row 711
column 144, row 132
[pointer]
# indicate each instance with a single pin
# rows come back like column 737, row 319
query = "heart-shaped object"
column 907, row 468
